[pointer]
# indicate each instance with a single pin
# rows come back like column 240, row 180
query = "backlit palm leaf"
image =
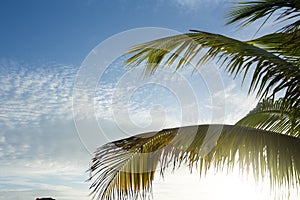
column 248, row 12
column 282, row 44
column 275, row 116
column 271, row 73
column 125, row 169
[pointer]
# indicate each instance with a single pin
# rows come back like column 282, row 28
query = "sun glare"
column 232, row 186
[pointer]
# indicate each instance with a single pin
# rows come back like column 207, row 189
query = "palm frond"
column 249, row 12
column 125, row 169
column 271, row 73
column 283, row 44
column 276, row 116
column 293, row 27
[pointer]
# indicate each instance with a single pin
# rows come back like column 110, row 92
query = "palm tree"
column 276, row 116
column 267, row 140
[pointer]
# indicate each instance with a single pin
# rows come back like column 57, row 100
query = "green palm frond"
column 283, row 44
column 248, row 12
column 125, row 169
column 276, row 116
column 271, row 73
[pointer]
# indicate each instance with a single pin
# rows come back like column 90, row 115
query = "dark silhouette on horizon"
column 48, row 198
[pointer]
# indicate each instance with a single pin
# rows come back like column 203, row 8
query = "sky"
column 65, row 90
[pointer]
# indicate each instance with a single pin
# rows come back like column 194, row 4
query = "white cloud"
column 33, row 96
column 196, row 4
column 38, row 136
column 61, row 193
column 34, row 93
column 2, row 139
column 31, row 178
column 238, row 103
column 38, row 141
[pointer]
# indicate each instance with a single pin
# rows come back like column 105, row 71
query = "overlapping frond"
column 276, row 116
column 249, row 12
column 125, row 169
column 271, row 74
column 286, row 45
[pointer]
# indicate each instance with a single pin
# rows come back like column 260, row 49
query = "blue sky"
column 50, row 125
column 65, row 31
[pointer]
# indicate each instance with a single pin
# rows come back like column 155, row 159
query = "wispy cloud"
column 196, row 4
column 62, row 193
column 38, row 141
column 30, row 94
column 39, row 138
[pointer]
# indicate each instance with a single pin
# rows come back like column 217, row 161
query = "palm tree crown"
column 267, row 140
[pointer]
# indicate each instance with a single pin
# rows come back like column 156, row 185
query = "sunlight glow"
column 185, row 185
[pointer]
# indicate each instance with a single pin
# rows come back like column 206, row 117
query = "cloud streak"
column 39, row 137
column 38, row 141
column 196, row 4
column 31, row 94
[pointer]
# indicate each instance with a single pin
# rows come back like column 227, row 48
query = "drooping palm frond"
column 249, row 12
column 276, row 116
column 125, row 169
column 271, row 72
column 286, row 45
